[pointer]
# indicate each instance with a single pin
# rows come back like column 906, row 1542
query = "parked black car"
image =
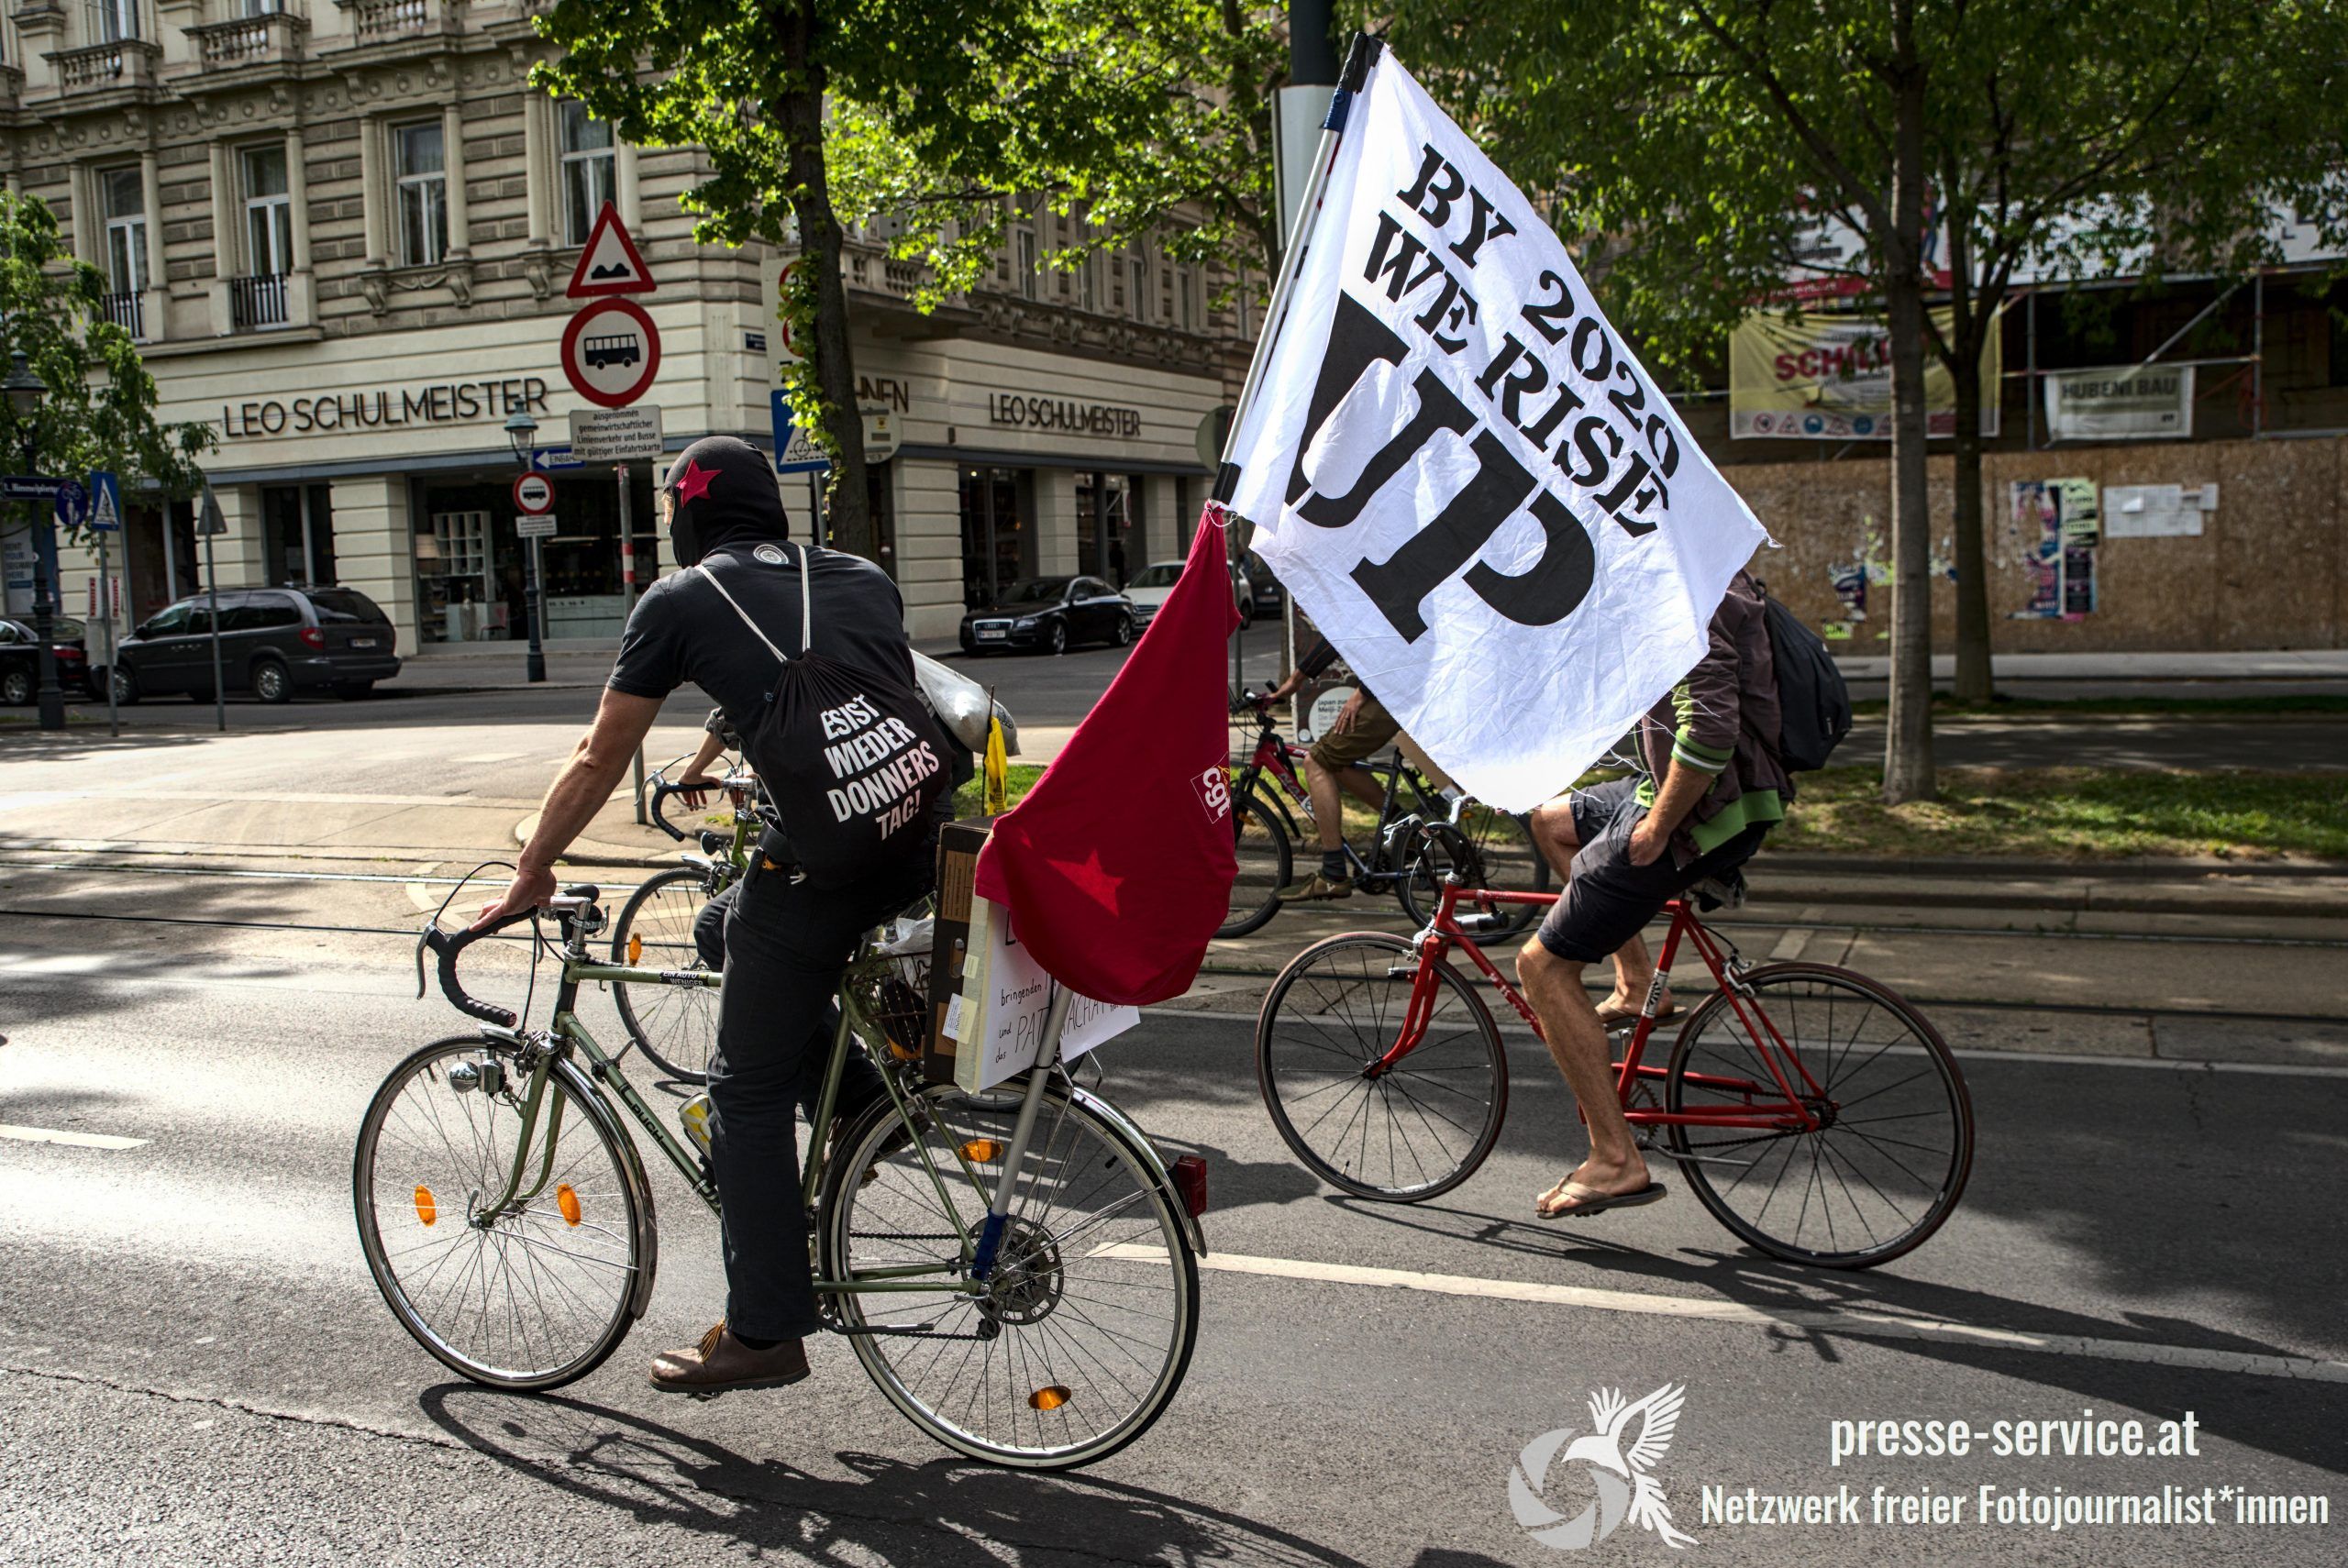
column 1050, row 613
column 20, row 659
column 1268, row 596
column 273, row 643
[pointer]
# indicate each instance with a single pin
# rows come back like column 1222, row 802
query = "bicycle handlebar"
column 448, row 945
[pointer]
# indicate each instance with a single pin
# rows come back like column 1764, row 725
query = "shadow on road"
column 947, row 1512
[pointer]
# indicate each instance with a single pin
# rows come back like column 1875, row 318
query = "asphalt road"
column 1047, row 692
column 194, row 1367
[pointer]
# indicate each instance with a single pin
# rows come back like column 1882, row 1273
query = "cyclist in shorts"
column 1362, row 728
column 1708, row 789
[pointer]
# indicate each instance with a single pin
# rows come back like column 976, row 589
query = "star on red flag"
column 694, row 481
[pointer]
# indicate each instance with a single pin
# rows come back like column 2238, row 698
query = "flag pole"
column 1359, row 58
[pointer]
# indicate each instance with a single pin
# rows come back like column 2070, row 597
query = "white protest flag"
column 1462, row 473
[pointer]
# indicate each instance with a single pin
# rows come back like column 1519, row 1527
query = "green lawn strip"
column 1018, row 779
column 2064, row 813
column 2074, row 813
column 2181, row 707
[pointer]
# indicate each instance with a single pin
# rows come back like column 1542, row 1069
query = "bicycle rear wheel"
column 1488, row 848
column 1412, row 1132
column 1892, row 1158
column 1264, row 867
column 1093, row 1308
column 674, row 1025
column 533, row 1296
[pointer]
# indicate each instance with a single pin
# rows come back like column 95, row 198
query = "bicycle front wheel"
column 674, row 1025
column 1410, row 1131
column 530, row 1296
column 1890, row 1158
column 1086, row 1326
column 1264, row 866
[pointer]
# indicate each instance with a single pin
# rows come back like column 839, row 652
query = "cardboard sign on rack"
column 609, row 262
column 997, row 1020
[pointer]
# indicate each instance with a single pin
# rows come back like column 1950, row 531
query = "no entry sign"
column 611, row 351
column 533, row 494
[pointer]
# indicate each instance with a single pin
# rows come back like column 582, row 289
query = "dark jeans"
column 786, row 947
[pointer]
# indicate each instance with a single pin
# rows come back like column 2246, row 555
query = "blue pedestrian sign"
column 106, row 502
column 794, row 452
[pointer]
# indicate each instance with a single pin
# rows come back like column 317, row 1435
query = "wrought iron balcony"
column 257, row 302
column 123, row 309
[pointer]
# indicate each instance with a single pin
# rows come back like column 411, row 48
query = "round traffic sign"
column 611, row 351
column 533, row 494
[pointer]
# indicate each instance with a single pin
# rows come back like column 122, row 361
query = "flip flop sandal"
column 1589, row 1200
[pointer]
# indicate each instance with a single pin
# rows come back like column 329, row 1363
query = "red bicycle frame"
column 1779, row 1109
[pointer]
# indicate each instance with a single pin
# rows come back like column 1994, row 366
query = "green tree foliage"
column 926, row 121
column 1690, row 142
column 100, row 410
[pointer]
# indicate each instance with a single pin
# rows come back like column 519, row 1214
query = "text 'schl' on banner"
column 1464, row 474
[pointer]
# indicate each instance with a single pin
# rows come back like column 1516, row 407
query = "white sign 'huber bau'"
column 1463, row 473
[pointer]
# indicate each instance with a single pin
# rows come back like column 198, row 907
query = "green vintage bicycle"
column 1017, row 1270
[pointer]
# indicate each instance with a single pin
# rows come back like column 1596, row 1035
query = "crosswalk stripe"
column 78, row 1139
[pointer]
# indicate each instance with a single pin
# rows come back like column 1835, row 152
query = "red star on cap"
column 694, row 481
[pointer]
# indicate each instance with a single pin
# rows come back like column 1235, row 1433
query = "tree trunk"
column 1975, row 681
column 1907, row 773
column 830, row 359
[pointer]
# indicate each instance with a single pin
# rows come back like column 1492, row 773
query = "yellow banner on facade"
column 1829, row 378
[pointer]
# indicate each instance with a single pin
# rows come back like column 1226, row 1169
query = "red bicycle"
column 1815, row 1113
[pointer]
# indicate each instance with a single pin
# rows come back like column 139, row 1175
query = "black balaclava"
column 723, row 491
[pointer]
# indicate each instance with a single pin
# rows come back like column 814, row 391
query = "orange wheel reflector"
column 1051, row 1398
column 425, row 1209
column 979, row 1151
column 568, row 1201
column 635, row 948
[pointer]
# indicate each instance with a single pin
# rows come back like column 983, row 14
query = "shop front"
column 471, row 565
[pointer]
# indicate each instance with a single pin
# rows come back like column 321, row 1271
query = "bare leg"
column 1328, row 810
column 1553, row 831
column 1578, row 1044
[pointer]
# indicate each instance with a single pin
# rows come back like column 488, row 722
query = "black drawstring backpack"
column 851, row 760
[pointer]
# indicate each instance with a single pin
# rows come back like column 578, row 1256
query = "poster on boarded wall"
column 2053, row 527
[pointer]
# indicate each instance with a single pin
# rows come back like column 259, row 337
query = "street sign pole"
column 535, row 592
column 47, row 693
column 212, row 525
column 627, row 586
column 105, row 635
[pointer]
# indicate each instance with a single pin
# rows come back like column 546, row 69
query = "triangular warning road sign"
column 609, row 264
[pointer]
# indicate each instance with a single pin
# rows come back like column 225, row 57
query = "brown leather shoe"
column 721, row 1364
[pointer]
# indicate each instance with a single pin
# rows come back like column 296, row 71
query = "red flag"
column 1117, row 867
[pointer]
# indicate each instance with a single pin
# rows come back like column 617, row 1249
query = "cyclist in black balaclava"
column 786, row 943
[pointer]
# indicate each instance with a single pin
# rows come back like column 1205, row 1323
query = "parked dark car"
column 1268, row 596
column 20, row 659
column 1050, row 613
column 274, row 641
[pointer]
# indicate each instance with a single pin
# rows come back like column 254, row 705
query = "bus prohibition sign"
column 611, row 351
column 533, row 494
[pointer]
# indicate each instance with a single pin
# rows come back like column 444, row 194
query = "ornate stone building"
column 341, row 230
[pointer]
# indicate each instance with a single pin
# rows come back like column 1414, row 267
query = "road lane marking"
column 1843, row 1321
column 1789, row 945
column 78, row 1139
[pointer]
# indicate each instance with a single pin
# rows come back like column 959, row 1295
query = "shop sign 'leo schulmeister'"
column 1018, row 409
column 448, row 403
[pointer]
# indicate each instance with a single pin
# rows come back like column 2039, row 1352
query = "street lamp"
column 26, row 393
column 521, row 432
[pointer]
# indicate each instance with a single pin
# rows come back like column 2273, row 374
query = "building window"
column 268, row 212
column 589, row 165
column 1137, row 285
column 123, row 198
column 112, row 21
column 1022, row 260
column 419, row 172
column 1087, row 282
column 297, row 535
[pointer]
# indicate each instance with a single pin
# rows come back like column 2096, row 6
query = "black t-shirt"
column 683, row 630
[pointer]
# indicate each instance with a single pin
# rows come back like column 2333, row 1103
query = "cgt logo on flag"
column 1618, row 1476
column 1214, row 789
